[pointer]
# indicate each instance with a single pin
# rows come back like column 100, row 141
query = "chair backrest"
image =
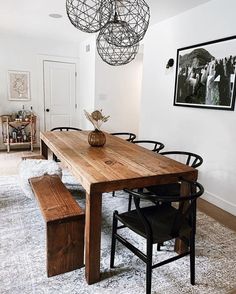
column 184, row 210
column 154, row 146
column 65, row 129
column 127, row 136
column 188, row 158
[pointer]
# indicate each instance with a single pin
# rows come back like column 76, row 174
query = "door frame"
column 40, row 65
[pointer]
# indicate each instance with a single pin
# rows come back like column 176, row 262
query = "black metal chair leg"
column 113, row 194
column 192, row 258
column 113, row 239
column 54, row 157
column 130, row 199
column 194, row 217
column 130, row 202
column 159, row 246
column 149, row 268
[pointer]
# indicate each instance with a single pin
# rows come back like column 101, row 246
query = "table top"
column 117, row 165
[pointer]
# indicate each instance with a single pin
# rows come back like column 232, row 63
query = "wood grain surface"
column 117, row 165
column 65, row 221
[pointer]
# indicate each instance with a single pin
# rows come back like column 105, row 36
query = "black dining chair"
column 157, row 224
column 61, row 129
column 188, row 158
column 154, row 146
column 65, row 129
column 127, row 136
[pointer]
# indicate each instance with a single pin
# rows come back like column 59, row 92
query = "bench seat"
column 64, row 220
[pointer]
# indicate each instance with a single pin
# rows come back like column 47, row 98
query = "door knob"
column 47, row 109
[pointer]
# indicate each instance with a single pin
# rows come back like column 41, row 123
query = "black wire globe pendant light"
column 89, row 15
column 130, row 22
column 122, row 24
column 115, row 55
column 119, row 33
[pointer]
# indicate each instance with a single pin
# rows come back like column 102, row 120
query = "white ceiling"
column 30, row 17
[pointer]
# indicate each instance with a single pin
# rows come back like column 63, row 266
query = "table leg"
column 43, row 149
column 180, row 246
column 93, row 237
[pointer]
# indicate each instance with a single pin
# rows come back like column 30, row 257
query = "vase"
column 96, row 138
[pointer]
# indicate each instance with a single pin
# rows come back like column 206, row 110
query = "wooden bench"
column 64, row 224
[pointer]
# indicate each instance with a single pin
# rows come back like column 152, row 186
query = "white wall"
column 210, row 133
column 86, row 80
column 114, row 89
column 22, row 53
column 118, row 94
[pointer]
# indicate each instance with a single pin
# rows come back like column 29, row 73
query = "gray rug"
column 22, row 253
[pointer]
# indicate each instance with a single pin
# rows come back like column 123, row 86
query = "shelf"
column 18, row 143
column 15, row 129
column 16, row 124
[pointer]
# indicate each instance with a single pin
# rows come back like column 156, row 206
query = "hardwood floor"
column 9, row 166
column 9, row 161
column 218, row 214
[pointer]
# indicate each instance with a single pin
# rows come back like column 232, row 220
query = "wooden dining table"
column 117, row 165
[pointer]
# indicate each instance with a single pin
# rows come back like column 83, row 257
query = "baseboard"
column 220, row 202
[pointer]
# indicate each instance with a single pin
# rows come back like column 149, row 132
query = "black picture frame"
column 206, row 75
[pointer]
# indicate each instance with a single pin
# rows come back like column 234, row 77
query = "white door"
column 59, row 94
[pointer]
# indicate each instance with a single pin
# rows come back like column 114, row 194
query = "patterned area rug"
column 22, row 253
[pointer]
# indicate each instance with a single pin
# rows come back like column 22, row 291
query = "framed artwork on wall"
column 18, row 85
column 205, row 75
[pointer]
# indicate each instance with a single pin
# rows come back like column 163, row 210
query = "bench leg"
column 65, row 246
column 93, row 237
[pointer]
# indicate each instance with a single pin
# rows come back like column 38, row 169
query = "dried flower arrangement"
column 96, row 118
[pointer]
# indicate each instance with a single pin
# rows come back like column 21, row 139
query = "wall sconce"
column 170, row 63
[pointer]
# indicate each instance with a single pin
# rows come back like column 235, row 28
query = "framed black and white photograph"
column 205, row 75
column 18, row 85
